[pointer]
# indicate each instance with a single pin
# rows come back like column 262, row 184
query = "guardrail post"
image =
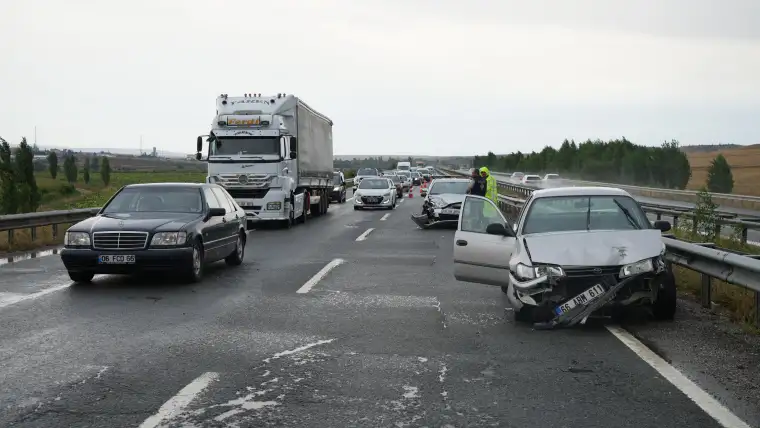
column 55, row 231
column 706, row 291
column 33, row 232
column 10, row 237
column 675, row 222
column 717, row 230
column 659, row 216
column 744, row 239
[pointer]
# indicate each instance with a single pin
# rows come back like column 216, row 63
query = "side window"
column 210, row 198
column 232, row 200
column 223, row 200
column 478, row 213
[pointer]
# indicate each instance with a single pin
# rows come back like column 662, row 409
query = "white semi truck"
column 273, row 154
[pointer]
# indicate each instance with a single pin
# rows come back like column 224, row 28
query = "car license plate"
column 450, row 211
column 582, row 299
column 116, row 259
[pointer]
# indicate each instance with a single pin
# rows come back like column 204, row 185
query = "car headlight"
column 436, row 202
column 387, row 194
column 357, row 195
column 336, row 189
column 76, row 239
column 532, row 272
column 642, row 266
column 168, row 238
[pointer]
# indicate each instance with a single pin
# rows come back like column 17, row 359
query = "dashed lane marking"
column 177, row 404
column 319, row 275
column 364, row 235
column 701, row 398
column 385, row 217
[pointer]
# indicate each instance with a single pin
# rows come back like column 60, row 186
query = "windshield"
column 404, row 173
column 395, row 178
column 552, row 176
column 240, row 146
column 456, row 187
column 518, row 174
column 367, row 171
column 573, row 213
column 371, row 183
column 156, row 199
column 336, row 179
column 416, row 174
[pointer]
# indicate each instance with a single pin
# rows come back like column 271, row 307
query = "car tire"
column 236, row 258
column 664, row 308
column 81, row 277
column 356, row 208
column 195, row 270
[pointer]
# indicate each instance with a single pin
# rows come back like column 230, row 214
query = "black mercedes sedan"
column 177, row 227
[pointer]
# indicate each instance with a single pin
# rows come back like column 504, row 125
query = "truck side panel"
column 315, row 146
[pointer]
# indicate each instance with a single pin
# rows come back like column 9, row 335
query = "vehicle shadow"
column 153, row 281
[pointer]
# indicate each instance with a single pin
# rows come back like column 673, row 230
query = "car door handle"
column 461, row 242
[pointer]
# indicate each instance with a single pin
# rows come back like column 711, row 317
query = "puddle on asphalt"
column 4, row 260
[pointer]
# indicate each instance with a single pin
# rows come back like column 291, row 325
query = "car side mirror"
column 293, row 154
column 663, row 225
column 198, row 156
column 216, row 212
column 293, row 144
column 199, row 144
column 498, row 229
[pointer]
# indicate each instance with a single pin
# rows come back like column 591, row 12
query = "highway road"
column 353, row 319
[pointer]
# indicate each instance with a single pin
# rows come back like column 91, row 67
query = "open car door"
column 480, row 256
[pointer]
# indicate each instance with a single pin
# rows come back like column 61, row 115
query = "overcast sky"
column 435, row 77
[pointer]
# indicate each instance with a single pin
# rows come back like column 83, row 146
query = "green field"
column 60, row 195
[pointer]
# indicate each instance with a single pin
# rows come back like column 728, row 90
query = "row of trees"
column 71, row 171
column 19, row 192
column 615, row 161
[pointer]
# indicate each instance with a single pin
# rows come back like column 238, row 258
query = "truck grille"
column 242, row 193
column 119, row 240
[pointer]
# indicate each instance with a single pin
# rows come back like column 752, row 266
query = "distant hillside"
column 709, row 148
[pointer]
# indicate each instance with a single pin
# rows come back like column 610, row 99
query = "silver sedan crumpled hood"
column 449, row 198
column 595, row 247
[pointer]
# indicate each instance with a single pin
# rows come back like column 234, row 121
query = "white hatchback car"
column 375, row 192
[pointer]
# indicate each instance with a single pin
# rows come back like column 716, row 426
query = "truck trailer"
column 273, row 154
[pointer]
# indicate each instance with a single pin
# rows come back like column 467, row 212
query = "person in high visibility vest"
column 492, row 193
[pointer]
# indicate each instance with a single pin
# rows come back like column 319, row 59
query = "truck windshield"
column 367, row 171
column 236, row 146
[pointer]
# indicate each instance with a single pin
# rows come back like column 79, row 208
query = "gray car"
column 375, row 192
column 573, row 253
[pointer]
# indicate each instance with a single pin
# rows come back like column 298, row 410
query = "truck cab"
column 254, row 152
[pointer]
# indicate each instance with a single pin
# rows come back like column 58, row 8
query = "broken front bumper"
column 542, row 293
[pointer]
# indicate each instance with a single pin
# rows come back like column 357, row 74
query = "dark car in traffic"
column 338, row 193
column 398, row 183
column 172, row 227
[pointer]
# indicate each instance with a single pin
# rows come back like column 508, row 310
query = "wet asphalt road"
column 388, row 338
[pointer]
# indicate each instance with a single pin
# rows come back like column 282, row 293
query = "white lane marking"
column 9, row 299
column 364, row 235
column 177, row 404
column 297, row 350
column 701, row 398
column 385, row 217
column 319, row 275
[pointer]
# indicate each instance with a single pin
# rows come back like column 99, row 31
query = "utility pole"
column 35, row 134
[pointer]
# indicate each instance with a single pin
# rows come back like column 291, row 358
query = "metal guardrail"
column 32, row 221
column 725, row 218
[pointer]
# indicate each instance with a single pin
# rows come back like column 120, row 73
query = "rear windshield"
column 367, row 171
column 455, row 187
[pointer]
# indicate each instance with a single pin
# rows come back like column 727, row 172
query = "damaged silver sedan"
column 574, row 252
